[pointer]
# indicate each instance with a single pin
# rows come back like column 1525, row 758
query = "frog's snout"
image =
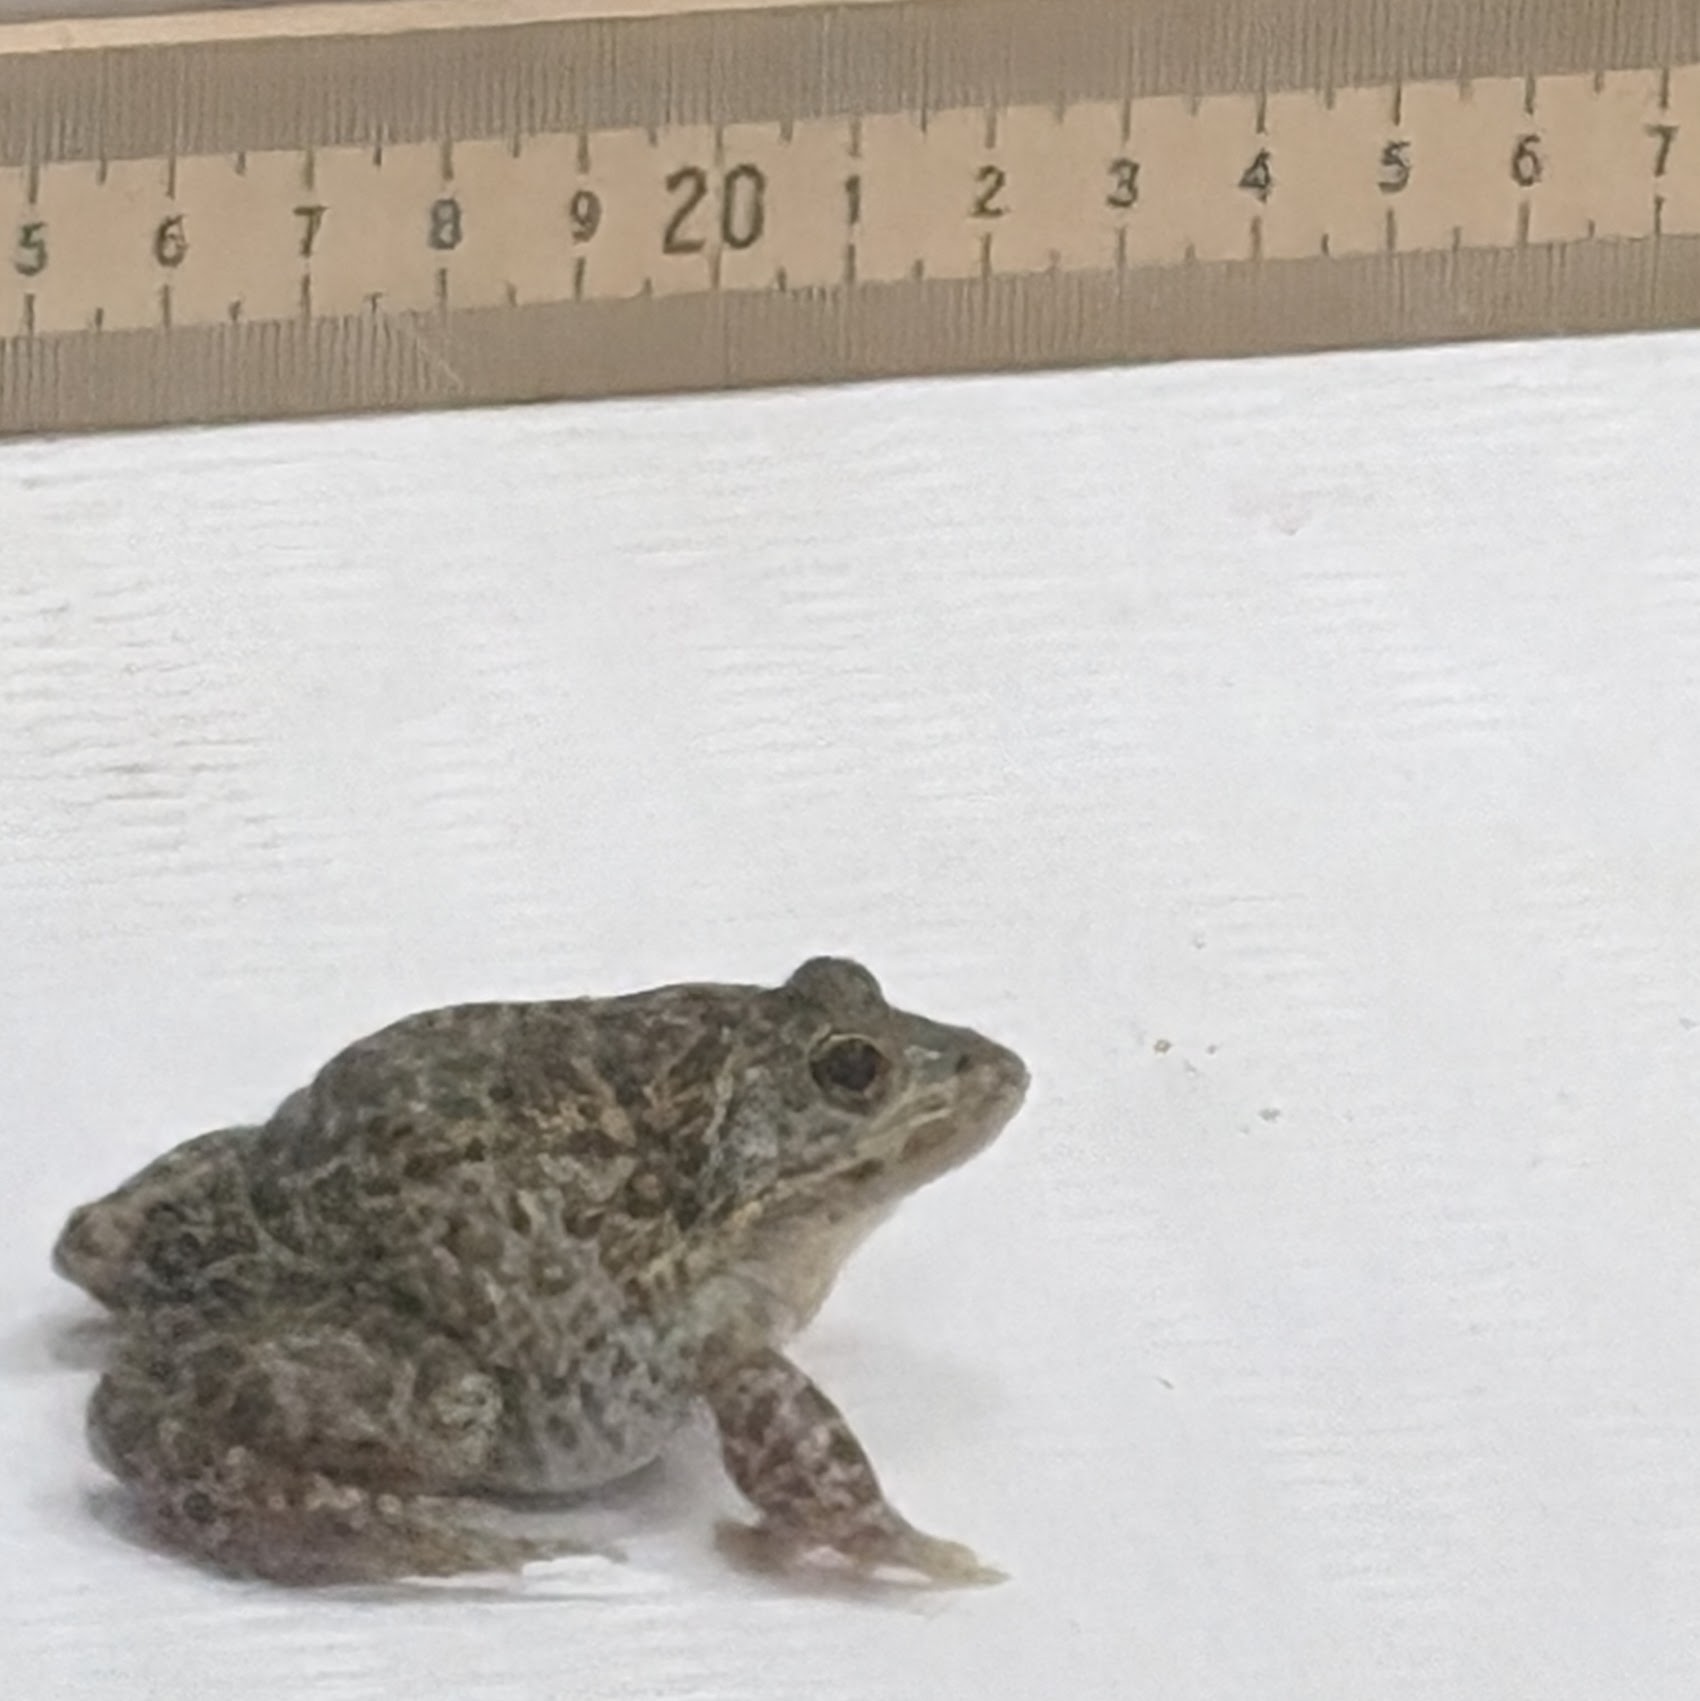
column 997, row 1074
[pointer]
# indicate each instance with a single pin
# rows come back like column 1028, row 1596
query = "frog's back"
column 444, row 1123
column 476, row 1164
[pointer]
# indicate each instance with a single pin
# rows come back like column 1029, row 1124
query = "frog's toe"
column 944, row 1562
column 766, row 1546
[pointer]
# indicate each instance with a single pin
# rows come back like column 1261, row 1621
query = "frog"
column 505, row 1251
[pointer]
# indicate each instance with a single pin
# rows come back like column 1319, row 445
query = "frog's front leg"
column 790, row 1450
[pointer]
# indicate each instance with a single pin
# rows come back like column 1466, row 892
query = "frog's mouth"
column 802, row 1237
column 963, row 1115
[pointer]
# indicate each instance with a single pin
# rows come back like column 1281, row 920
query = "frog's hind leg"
column 150, row 1240
column 305, row 1453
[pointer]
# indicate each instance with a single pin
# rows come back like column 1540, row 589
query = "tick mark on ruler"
column 165, row 306
column 1529, row 96
column 516, row 144
column 100, row 170
column 1522, row 224
column 99, row 319
column 378, row 153
column 855, row 138
column 1398, row 104
column 584, row 151
column 1392, row 231
column 578, row 278
column 442, row 288
column 171, row 177
column 29, row 315
column 241, row 164
column 986, row 255
column 234, row 311
column 1664, row 89
column 850, row 262
column 32, row 181
column 304, row 301
column 991, row 126
column 512, row 295
column 1262, row 113
column 1127, row 117
column 1658, row 215
column 309, row 170
column 448, row 160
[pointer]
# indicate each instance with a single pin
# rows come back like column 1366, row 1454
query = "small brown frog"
column 504, row 1249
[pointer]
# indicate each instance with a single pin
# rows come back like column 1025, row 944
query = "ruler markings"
column 318, row 188
column 1106, row 185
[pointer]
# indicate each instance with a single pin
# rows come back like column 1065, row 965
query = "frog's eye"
column 849, row 1068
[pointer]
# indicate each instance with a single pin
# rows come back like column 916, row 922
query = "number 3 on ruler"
column 1124, row 175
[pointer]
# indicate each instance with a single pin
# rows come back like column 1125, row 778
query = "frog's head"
column 862, row 1103
column 833, row 1107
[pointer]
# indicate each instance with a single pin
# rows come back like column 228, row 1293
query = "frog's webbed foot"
column 769, row 1547
column 790, row 1450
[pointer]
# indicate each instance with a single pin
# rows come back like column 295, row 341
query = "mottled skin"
column 505, row 1249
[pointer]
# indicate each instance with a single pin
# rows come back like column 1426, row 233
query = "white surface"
column 1336, row 722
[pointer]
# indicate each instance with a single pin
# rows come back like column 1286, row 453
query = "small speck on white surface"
column 1295, row 761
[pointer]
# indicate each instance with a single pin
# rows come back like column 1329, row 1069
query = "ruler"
column 290, row 210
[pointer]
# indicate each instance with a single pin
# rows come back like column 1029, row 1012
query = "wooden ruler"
column 298, row 209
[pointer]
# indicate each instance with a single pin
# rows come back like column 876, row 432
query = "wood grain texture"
column 1294, row 760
